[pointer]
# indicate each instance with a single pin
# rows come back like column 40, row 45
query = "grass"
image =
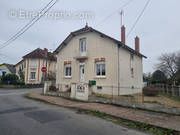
column 131, row 124
column 124, row 122
column 172, row 97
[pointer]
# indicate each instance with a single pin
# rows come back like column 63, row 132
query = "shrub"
column 150, row 91
column 0, row 79
column 10, row 79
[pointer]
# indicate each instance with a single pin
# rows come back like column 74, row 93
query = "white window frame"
column 33, row 63
column 69, row 72
column 101, row 64
column 82, row 46
column 33, row 77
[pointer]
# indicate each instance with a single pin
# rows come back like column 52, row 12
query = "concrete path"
column 157, row 119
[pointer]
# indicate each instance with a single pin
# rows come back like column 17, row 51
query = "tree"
column 21, row 75
column 10, row 79
column 158, row 77
column 169, row 64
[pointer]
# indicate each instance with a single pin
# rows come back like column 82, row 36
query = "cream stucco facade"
column 31, row 68
column 123, row 69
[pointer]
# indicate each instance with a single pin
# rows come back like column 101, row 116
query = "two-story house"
column 32, row 63
column 88, row 54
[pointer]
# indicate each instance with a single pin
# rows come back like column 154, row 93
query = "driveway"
column 20, row 116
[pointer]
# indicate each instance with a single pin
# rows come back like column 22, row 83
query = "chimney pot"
column 45, row 52
column 137, row 44
column 123, row 34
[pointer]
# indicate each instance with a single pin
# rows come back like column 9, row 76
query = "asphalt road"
column 20, row 116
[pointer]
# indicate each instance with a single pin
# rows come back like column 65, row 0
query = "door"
column 82, row 73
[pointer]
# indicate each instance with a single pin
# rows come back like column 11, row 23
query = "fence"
column 125, row 94
column 171, row 90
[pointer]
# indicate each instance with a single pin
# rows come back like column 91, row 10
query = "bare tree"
column 169, row 63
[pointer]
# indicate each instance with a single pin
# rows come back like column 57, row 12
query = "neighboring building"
column 32, row 63
column 7, row 69
column 88, row 54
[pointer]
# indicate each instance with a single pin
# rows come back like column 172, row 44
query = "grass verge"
column 171, row 97
column 124, row 122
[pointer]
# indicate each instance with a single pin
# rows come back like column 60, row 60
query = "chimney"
column 123, row 34
column 45, row 52
column 137, row 43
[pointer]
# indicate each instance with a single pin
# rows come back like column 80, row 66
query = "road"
column 21, row 116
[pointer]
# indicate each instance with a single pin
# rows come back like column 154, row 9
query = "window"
column 33, row 63
column 24, row 64
column 83, row 45
column 100, row 69
column 33, row 76
column 68, row 70
column 132, row 72
column 99, row 87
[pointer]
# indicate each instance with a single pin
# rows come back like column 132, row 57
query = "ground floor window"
column 100, row 69
column 67, row 70
column 33, row 75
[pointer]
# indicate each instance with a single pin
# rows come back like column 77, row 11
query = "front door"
column 82, row 73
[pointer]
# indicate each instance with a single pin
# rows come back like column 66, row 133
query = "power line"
column 138, row 18
column 123, row 6
column 30, row 24
column 27, row 24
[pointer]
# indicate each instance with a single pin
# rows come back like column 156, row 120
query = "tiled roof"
column 90, row 29
column 39, row 53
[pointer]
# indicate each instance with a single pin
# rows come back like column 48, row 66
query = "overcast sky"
column 158, row 28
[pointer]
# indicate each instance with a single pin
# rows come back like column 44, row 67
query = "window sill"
column 67, row 77
column 100, row 77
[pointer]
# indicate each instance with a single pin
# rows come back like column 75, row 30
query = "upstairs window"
column 100, row 69
column 24, row 64
column 67, row 70
column 83, row 46
column 33, row 63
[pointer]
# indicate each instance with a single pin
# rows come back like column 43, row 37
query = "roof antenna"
column 121, row 14
column 86, row 24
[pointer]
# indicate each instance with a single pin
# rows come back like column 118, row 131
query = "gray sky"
column 158, row 28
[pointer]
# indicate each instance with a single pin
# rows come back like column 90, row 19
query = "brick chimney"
column 123, row 34
column 137, row 44
column 45, row 52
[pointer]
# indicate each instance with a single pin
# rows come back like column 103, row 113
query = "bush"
column 0, row 79
column 10, row 79
column 150, row 91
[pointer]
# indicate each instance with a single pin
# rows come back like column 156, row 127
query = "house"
column 7, row 69
column 88, row 55
column 32, row 63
